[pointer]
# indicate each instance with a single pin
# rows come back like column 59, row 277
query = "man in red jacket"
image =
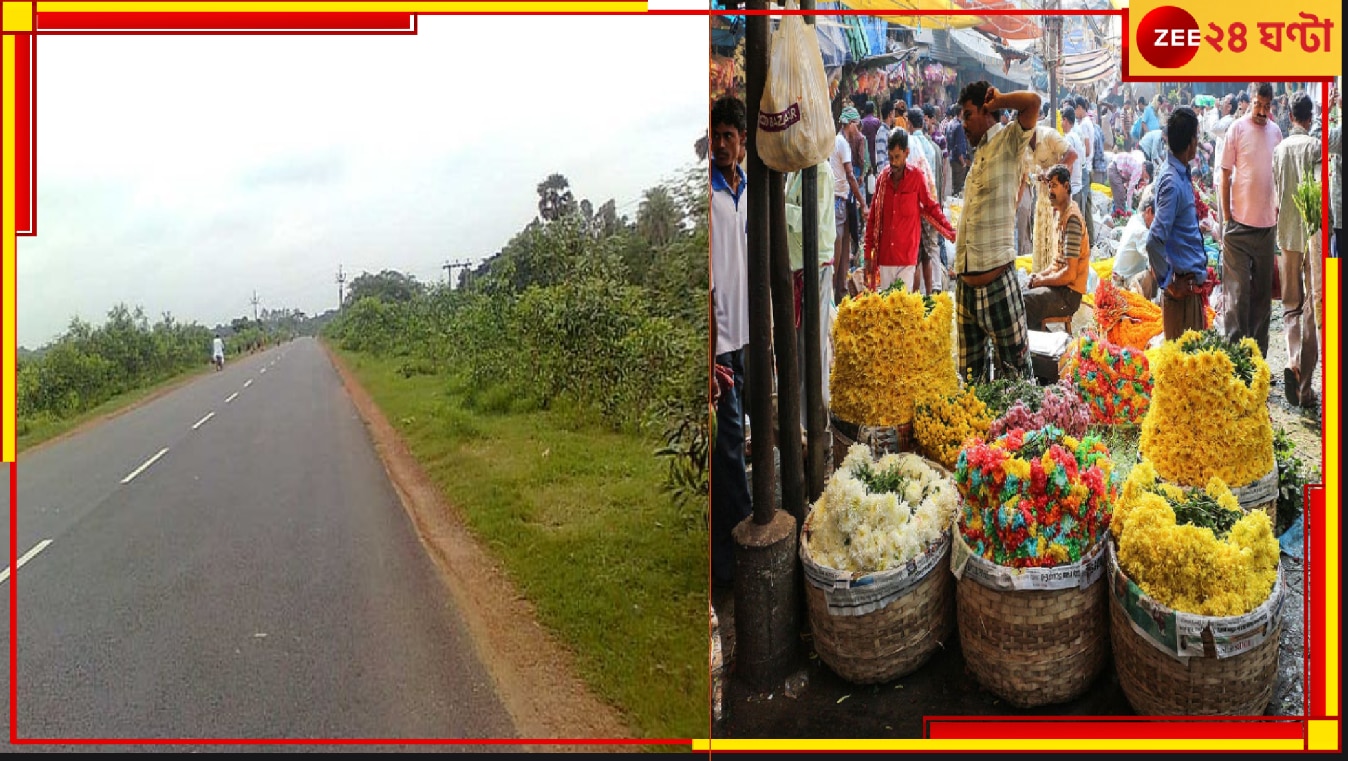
column 894, row 228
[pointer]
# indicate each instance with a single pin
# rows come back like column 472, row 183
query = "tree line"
column 86, row 366
column 582, row 304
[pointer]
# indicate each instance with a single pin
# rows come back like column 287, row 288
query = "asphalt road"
column 259, row 579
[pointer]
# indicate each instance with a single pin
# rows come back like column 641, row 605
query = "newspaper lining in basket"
column 857, row 594
column 1079, row 575
column 1260, row 492
column 1187, row 635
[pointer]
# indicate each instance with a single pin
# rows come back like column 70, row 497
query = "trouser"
column 731, row 501
column 1083, row 200
column 958, row 172
column 826, row 312
column 841, row 249
column 1299, row 317
column 1025, row 222
column 1179, row 315
column 906, row 274
column 1118, row 187
column 1049, row 301
column 994, row 312
column 1247, row 281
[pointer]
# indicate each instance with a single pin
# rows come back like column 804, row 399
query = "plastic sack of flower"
column 795, row 120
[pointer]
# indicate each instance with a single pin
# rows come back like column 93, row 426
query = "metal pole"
column 817, row 450
column 760, row 291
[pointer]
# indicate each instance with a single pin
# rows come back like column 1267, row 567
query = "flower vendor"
column 1057, row 291
column 1175, row 246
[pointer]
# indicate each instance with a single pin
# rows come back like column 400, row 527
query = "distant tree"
column 659, row 217
column 554, row 198
column 387, row 286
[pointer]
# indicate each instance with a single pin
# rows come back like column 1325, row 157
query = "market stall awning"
column 1019, row 27
column 976, row 46
column 1089, row 67
column 931, row 17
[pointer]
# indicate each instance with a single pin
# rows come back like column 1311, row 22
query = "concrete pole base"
column 766, row 604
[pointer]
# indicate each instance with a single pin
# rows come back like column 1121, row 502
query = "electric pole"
column 254, row 302
column 449, row 268
column 341, row 282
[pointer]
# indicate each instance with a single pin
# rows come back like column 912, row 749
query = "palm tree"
column 658, row 218
column 554, row 198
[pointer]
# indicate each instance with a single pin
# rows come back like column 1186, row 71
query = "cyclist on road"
column 218, row 353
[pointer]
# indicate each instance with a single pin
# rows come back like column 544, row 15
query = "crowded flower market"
column 1018, row 370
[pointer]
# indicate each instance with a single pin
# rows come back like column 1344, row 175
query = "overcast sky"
column 180, row 174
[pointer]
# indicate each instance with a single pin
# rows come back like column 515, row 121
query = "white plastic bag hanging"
column 795, row 121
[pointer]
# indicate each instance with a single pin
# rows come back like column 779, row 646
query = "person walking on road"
column 218, row 352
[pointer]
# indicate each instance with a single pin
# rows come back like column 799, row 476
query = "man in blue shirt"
column 1174, row 244
column 957, row 144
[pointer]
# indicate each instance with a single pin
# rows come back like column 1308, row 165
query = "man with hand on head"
column 988, row 302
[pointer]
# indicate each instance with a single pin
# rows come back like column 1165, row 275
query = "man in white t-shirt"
column 845, row 187
column 218, row 352
column 731, row 501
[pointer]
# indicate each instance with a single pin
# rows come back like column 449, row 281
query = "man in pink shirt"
column 1249, row 207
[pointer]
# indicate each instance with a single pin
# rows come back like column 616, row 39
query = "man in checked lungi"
column 988, row 301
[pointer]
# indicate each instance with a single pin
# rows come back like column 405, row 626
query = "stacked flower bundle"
column 1035, row 499
column 887, row 350
column 1194, row 550
column 945, row 422
column 1208, row 415
column 1059, row 406
column 874, row 516
column 1126, row 318
column 1114, row 381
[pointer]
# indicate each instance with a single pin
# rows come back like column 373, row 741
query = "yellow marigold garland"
column 887, row 351
column 946, row 421
column 1203, row 421
column 1186, row 567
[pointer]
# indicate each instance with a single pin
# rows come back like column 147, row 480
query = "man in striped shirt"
column 989, row 304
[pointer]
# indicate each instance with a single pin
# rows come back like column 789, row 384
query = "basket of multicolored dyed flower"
column 1028, row 557
column 875, row 550
column 1209, row 418
column 1195, row 599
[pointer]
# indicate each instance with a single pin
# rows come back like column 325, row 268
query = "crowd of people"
column 893, row 165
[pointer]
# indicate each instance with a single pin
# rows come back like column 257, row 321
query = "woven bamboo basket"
column 1032, row 647
column 1160, row 683
column 881, row 440
column 893, row 641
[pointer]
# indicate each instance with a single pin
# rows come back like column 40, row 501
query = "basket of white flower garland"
column 875, row 550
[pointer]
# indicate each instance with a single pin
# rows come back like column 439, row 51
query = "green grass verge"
column 31, row 431
column 577, row 518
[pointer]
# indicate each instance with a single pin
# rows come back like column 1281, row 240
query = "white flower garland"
column 853, row 529
column 1045, row 228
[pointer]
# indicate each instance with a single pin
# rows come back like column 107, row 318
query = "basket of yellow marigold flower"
column 944, row 422
column 888, row 349
column 1195, row 599
column 1208, row 418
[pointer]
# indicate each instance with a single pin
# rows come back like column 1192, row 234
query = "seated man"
column 1130, row 264
column 1057, row 291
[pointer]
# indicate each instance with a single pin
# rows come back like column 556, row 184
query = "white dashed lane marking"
column 231, row 397
column 27, row 556
column 199, row 423
column 147, row 464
